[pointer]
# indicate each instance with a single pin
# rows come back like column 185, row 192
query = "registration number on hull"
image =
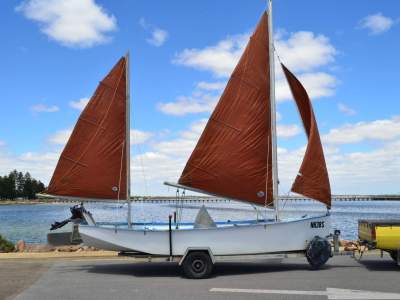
column 319, row 224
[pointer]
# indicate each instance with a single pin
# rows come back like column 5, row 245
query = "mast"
column 128, row 142
column 273, row 113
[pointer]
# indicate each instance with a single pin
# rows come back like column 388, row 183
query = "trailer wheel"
column 393, row 255
column 197, row 265
column 318, row 252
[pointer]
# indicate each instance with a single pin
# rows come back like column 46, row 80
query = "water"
column 31, row 222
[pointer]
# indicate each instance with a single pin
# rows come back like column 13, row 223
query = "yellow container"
column 380, row 234
column 388, row 237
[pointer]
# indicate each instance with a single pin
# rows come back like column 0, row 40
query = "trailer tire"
column 393, row 255
column 318, row 252
column 197, row 265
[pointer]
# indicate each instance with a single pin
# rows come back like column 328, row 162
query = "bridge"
column 350, row 197
column 189, row 198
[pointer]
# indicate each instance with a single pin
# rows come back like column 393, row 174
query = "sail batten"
column 312, row 179
column 93, row 163
column 231, row 158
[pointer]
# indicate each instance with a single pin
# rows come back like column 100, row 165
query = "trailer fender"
column 191, row 249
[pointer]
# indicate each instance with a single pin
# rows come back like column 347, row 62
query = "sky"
column 346, row 53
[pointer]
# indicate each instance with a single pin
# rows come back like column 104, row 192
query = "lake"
column 32, row 222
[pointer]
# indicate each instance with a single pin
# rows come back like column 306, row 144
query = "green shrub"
column 6, row 246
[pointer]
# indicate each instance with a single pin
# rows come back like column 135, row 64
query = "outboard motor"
column 79, row 215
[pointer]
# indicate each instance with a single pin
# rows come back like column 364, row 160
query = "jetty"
column 201, row 198
column 191, row 198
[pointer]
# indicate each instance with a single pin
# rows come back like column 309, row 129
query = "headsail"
column 233, row 155
column 312, row 180
column 93, row 163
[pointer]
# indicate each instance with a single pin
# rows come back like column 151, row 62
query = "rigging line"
column 266, row 186
column 276, row 52
column 284, row 203
column 177, row 204
column 181, row 207
column 120, row 170
column 120, row 178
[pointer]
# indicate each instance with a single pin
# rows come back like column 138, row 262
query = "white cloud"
column 317, row 84
column 346, row 110
column 349, row 172
column 189, row 105
column 287, row 131
column 158, row 36
column 60, row 137
column 377, row 23
column 32, row 156
column 185, row 143
column 2, row 143
column 219, row 59
column 378, row 130
column 44, row 108
column 73, row 23
column 211, row 86
column 165, row 161
column 139, row 137
column 80, row 104
column 136, row 137
column 203, row 99
column 368, row 172
column 376, row 171
column 304, row 51
column 39, row 165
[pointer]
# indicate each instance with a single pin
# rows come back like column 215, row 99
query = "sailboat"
column 235, row 158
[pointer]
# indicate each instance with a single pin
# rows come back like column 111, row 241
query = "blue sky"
column 54, row 52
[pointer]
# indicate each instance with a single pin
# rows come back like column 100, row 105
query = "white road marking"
column 331, row 293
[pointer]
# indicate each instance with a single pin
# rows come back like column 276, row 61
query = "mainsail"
column 233, row 157
column 312, row 180
column 93, row 163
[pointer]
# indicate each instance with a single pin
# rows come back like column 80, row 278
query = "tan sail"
column 312, row 180
column 233, row 155
column 93, row 163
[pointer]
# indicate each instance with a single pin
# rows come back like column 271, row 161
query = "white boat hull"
column 284, row 236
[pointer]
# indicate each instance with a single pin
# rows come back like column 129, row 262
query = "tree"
column 19, row 183
column 15, row 184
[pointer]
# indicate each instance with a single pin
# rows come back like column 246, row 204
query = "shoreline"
column 27, row 202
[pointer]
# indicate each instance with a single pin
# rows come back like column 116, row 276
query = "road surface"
column 121, row 278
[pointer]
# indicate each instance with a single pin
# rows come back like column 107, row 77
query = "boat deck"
column 181, row 225
column 159, row 226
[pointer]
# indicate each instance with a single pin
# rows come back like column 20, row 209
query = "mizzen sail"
column 233, row 155
column 93, row 163
column 312, row 180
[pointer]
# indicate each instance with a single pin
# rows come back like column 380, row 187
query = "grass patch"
column 5, row 245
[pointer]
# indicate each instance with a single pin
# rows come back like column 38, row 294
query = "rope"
column 266, row 186
column 277, row 55
column 179, row 206
column 119, row 180
column 120, row 171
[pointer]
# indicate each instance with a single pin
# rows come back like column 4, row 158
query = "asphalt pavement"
column 121, row 278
